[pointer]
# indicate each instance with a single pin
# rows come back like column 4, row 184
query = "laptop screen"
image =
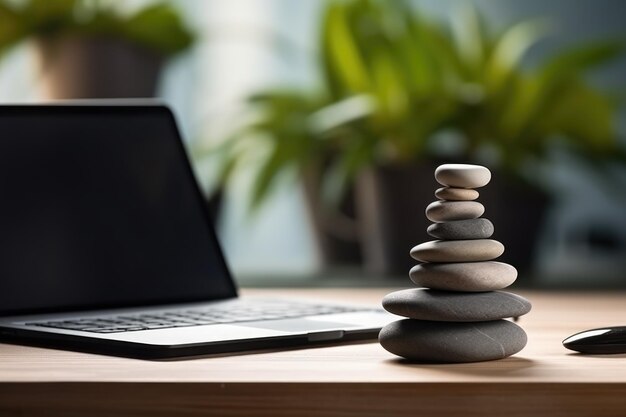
column 99, row 208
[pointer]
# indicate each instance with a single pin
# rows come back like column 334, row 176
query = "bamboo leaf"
column 267, row 176
column 341, row 113
column 10, row 28
column 148, row 25
column 470, row 37
column 158, row 26
column 593, row 133
column 392, row 79
column 581, row 59
column 510, row 49
column 341, row 55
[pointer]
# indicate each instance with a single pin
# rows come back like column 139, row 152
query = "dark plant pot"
column 335, row 230
column 75, row 67
column 390, row 207
column 391, row 204
column 517, row 211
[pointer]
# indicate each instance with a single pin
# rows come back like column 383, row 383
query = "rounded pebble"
column 458, row 250
column 462, row 229
column 456, row 194
column 436, row 342
column 462, row 175
column 444, row 211
column 435, row 305
column 464, row 276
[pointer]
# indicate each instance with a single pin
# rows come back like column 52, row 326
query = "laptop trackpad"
column 298, row 325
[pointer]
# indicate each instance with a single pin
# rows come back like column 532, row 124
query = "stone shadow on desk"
column 518, row 366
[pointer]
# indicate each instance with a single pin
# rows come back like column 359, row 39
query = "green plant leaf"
column 341, row 113
column 343, row 62
column 419, row 78
column 268, row 174
column 45, row 16
column 594, row 133
column 470, row 35
column 510, row 49
column 545, row 93
column 159, row 27
column 580, row 59
column 10, row 28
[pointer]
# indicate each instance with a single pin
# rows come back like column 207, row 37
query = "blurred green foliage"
column 158, row 27
column 392, row 79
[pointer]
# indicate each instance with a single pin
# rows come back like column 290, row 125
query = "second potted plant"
column 92, row 49
column 400, row 92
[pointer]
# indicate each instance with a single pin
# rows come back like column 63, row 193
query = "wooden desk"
column 349, row 380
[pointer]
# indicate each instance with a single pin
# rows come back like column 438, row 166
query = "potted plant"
column 281, row 117
column 91, row 48
column 395, row 87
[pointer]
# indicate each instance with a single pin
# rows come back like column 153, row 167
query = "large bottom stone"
column 437, row 342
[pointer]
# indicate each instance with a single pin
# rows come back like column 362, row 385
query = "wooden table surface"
column 349, row 380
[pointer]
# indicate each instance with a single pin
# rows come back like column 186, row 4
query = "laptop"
column 106, row 245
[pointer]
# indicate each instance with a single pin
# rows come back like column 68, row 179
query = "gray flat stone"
column 435, row 342
column 464, row 276
column 444, row 211
column 462, row 229
column 426, row 304
column 462, row 175
column 456, row 194
column 458, row 250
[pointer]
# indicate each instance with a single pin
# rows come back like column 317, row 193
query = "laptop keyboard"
column 235, row 312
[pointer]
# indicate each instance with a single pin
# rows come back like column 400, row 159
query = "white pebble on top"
column 463, row 175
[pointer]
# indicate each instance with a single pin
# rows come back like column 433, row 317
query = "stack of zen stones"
column 460, row 316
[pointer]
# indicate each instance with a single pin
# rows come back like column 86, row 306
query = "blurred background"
column 315, row 126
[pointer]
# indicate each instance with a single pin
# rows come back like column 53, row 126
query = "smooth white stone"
column 462, row 175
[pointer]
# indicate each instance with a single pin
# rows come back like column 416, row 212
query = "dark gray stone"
column 426, row 304
column 464, row 276
column 436, row 342
column 462, row 229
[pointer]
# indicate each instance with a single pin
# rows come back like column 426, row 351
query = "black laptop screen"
column 99, row 208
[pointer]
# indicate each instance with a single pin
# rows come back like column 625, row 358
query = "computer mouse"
column 606, row 340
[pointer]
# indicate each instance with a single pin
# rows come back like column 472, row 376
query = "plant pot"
column 391, row 205
column 335, row 230
column 75, row 67
column 517, row 211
